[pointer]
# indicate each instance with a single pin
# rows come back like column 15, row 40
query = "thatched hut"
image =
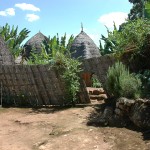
column 6, row 57
column 83, row 47
column 34, row 43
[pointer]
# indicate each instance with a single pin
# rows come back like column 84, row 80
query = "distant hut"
column 83, row 47
column 6, row 57
column 34, row 43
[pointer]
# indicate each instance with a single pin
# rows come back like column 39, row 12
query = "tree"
column 147, row 9
column 14, row 39
column 132, row 35
column 110, row 42
column 137, row 9
column 140, row 9
column 52, row 50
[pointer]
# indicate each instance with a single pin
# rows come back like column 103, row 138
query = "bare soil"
column 62, row 129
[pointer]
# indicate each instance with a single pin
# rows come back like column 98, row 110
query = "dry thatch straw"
column 6, row 57
column 34, row 43
column 84, row 47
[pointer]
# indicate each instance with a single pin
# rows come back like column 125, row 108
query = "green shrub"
column 132, row 35
column 70, row 70
column 120, row 83
column 95, row 82
column 145, row 78
column 71, row 76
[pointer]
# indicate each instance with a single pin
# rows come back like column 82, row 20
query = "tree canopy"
column 14, row 38
column 140, row 9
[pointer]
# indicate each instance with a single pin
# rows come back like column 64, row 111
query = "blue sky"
column 64, row 16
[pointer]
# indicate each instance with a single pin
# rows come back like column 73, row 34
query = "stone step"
column 98, row 97
column 96, row 91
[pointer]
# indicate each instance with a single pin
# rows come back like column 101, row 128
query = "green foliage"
column 110, row 42
column 147, row 9
column 71, row 76
column 56, row 44
column 39, row 58
column 145, row 78
column 51, row 50
column 56, row 53
column 120, row 83
column 13, row 38
column 132, row 35
column 136, row 11
column 95, row 82
column 140, row 9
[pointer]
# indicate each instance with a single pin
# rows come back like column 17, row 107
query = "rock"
column 107, row 116
column 121, row 106
column 102, row 97
column 125, row 101
column 118, row 112
column 42, row 147
column 101, row 90
column 104, row 119
column 140, row 115
column 91, row 92
column 137, row 110
column 98, row 91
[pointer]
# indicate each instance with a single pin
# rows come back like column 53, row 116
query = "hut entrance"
column 91, row 80
column 94, row 87
column 87, row 79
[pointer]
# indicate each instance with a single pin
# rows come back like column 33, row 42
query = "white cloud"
column 117, row 17
column 32, row 17
column 25, row 6
column 8, row 12
column 3, row 13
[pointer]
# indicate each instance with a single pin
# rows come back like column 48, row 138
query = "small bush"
column 71, row 76
column 145, row 78
column 69, row 70
column 120, row 83
column 95, row 82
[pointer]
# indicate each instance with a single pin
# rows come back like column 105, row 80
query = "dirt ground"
column 62, row 129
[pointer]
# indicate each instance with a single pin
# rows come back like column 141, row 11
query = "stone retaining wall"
column 138, row 111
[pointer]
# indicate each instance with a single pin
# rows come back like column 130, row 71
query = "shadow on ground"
column 53, row 109
column 95, row 117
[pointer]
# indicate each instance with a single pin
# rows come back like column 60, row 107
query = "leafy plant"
column 51, row 50
column 70, row 72
column 145, row 78
column 95, row 82
column 13, row 38
column 120, row 83
column 39, row 58
column 110, row 42
column 132, row 35
column 140, row 9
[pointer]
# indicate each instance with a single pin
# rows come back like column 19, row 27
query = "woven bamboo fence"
column 34, row 85
column 31, row 85
column 38, row 85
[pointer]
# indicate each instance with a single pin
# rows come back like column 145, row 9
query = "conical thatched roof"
column 34, row 43
column 5, row 56
column 84, row 47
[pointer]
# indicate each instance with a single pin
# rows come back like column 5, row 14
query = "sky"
column 64, row 16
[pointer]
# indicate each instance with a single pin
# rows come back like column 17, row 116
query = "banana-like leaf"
column 147, row 9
